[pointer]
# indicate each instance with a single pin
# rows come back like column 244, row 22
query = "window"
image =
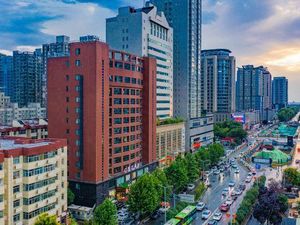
column 77, row 99
column 16, row 217
column 119, row 79
column 117, row 91
column 67, row 88
column 126, row 120
column 77, row 77
column 134, row 80
column 67, row 77
column 77, row 51
column 67, row 131
column 117, row 111
column 16, row 174
column 77, row 62
column 117, row 150
column 117, row 160
column 117, row 101
column 117, row 120
column 126, row 111
column 117, row 130
column 67, row 99
column 1, row 198
column 125, row 158
column 16, row 203
column 16, row 160
column 125, row 129
column 126, row 91
column 117, row 140
column 77, row 186
column 127, row 80
column 16, row 189
column 77, row 88
column 126, row 101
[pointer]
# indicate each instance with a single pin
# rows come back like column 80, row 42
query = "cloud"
column 258, row 32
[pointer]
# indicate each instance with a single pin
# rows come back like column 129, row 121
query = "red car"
column 224, row 207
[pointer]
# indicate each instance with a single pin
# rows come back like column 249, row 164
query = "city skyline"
column 270, row 37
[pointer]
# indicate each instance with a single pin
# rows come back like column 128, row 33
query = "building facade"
column 35, row 129
column 169, row 142
column 253, row 91
column 185, row 17
column 146, row 32
column 33, row 175
column 27, row 77
column 6, row 69
column 107, row 114
column 280, row 92
column 58, row 48
column 11, row 111
column 218, row 83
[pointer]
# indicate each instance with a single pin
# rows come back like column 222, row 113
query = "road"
column 213, row 196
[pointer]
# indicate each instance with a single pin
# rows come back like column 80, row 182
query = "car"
column 225, row 191
column 212, row 222
column 222, row 169
column 238, row 192
column 234, row 198
column 242, row 187
column 200, row 206
column 155, row 215
column 224, row 207
column 206, row 214
column 217, row 216
column 231, row 184
column 207, row 183
column 250, row 174
column 297, row 161
column 191, row 187
column 128, row 221
column 216, row 172
column 248, row 179
column 233, row 193
column 237, row 171
column 164, row 209
column 229, row 201
column 253, row 172
column 234, row 166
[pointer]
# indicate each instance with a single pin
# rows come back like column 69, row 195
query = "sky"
column 258, row 32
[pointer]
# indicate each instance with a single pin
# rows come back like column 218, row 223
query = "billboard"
column 238, row 117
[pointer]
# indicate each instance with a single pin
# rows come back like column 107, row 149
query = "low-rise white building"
column 11, row 111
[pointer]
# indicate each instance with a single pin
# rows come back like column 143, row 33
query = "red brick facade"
column 104, row 103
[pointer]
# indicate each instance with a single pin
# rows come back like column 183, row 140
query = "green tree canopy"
column 177, row 175
column 192, row 167
column 145, row 194
column 106, row 213
column 46, row 219
column 71, row 196
column 292, row 176
column 286, row 114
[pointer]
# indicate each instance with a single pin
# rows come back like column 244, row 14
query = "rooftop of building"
column 216, row 50
column 10, row 144
column 24, row 124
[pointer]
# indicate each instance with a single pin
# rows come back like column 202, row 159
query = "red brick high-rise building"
column 104, row 103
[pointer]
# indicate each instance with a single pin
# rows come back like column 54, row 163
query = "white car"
column 248, row 179
column 238, row 192
column 229, row 201
column 206, row 214
column 164, row 209
column 216, row 172
column 237, row 171
column 191, row 187
column 200, row 206
column 217, row 216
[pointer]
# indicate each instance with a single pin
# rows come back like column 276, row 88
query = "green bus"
column 187, row 215
column 173, row 221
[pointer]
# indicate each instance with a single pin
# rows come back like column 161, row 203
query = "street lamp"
column 165, row 199
column 203, row 162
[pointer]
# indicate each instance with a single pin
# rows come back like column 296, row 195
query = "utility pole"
column 165, row 200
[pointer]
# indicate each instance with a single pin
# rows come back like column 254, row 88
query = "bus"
column 173, row 221
column 187, row 215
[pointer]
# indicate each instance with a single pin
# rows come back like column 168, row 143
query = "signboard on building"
column 238, row 117
column 187, row 198
column 262, row 161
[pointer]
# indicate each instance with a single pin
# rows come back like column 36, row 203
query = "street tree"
column 192, row 167
column 270, row 207
column 46, row 219
column 163, row 182
column 292, row 176
column 177, row 175
column 145, row 194
column 106, row 213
